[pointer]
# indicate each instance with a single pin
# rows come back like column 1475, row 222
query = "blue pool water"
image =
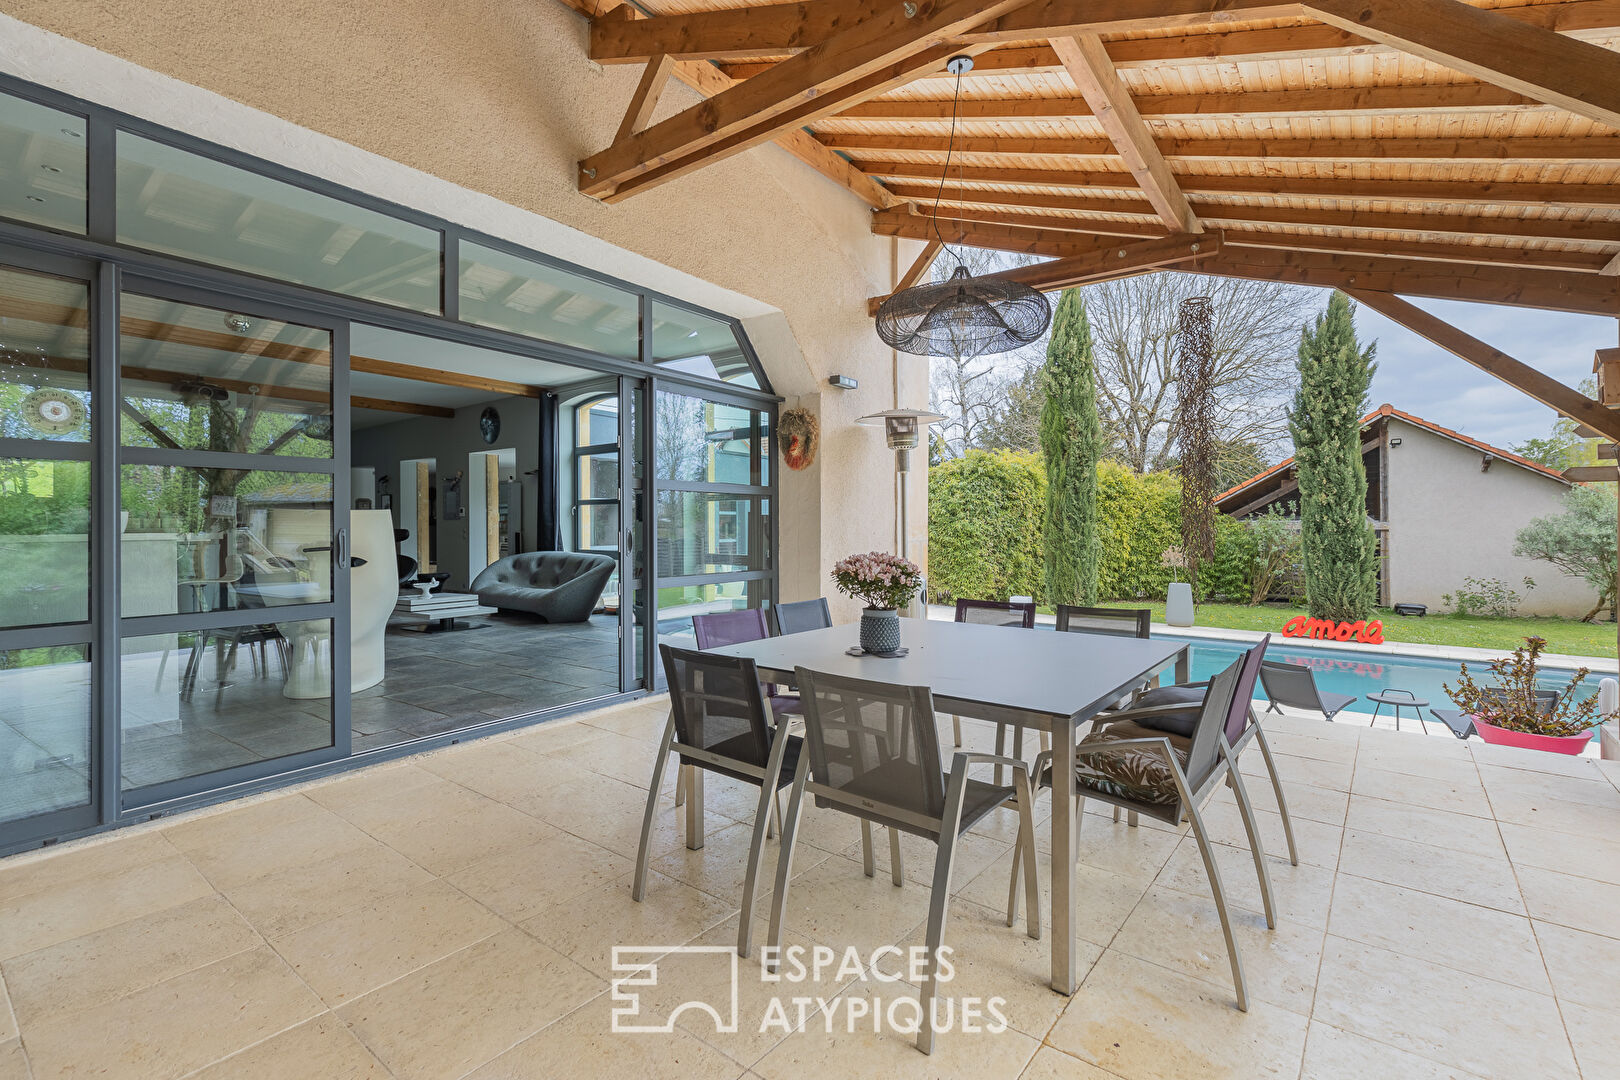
column 1341, row 671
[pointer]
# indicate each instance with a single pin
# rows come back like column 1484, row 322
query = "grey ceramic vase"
column 880, row 630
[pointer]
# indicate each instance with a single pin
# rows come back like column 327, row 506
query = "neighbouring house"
column 1446, row 507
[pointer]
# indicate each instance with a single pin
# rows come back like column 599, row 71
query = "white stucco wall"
column 477, row 112
column 1449, row 521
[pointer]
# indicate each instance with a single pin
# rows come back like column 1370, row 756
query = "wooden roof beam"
column 1516, row 373
column 903, row 222
column 648, row 93
column 920, row 265
column 1553, row 150
column 1093, row 74
column 852, row 65
column 1315, row 187
column 1573, row 75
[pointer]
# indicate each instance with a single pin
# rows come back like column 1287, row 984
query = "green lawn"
column 1563, row 635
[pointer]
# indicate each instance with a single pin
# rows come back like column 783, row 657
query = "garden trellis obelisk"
column 1195, row 383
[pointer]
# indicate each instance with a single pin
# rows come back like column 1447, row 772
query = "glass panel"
column 706, row 442
column 638, row 536
column 44, row 730
column 599, row 476
column 598, row 423
column 42, row 172
column 44, row 542
column 707, row 533
column 599, row 528
column 44, row 357
column 699, row 345
column 198, row 378
column 201, row 701
column 677, row 604
column 219, row 539
column 541, row 301
column 184, row 204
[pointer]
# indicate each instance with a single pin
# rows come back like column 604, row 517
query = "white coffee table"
column 439, row 611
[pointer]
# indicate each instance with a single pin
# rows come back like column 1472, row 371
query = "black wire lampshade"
column 963, row 316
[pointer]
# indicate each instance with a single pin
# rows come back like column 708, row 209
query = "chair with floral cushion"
column 1166, row 762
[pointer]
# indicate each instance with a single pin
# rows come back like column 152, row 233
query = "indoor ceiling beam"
column 1312, row 187
column 859, row 62
column 1554, row 150
column 1086, row 61
column 1493, row 361
column 1573, row 75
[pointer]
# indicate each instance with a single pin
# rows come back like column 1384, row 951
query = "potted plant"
column 1511, row 713
column 885, row 583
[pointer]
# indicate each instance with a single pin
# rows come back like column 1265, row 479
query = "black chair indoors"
column 1295, row 686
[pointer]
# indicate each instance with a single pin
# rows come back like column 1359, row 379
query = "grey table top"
column 1039, row 672
column 1396, row 697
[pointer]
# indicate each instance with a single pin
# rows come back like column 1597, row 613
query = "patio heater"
column 903, row 430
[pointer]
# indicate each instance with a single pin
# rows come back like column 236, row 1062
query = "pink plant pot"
column 1553, row 744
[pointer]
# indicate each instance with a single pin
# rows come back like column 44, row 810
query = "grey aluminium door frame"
column 155, row 799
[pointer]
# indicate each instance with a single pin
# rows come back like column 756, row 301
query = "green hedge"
column 984, row 532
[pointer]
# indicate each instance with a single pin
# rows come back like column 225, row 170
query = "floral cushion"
column 1140, row 773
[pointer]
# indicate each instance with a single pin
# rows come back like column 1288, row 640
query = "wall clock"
column 52, row 412
column 489, row 425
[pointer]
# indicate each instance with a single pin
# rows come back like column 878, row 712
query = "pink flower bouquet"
column 879, row 579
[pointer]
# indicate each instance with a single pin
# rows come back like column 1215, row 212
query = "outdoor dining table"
column 1038, row 678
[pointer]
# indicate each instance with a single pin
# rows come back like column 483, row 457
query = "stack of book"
column 415, row 603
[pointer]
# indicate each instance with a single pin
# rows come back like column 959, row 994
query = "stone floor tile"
column 322, row 1047
column 586, row 1040
column 1576, row 902
column 1334, row 1054
column 1474, row 879
column 587, row 928
column 72, row 908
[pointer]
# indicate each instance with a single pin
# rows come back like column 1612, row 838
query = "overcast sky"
column 1418, row 378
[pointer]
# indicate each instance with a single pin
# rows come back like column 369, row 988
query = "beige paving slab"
column 1318, row 843
column 460, row 829
column 320, row 1048
column 1491, row 1028
column 1591, row 791
column 974, row 853
column 1545, row 812
column 1576, row 902
column 1304, row 800
column 1302, row 893
column 1479, row 940
column 1583, row 855
column 1595, row 1038
column 1050, row 1064
column 1104, row 901
column 1440, row 828
column 457, row 1013
column 584, row 1040
column 1465, row 796
column 178, row 1025
column 1584, row 968
column 82, row 905
column 1182, row 932
column 843, row 1043
column 586, row 928
column 14, row 1061
column 524, row 882
column 1472, row 878
column 104, row 965
column 1411, row 758
column 1310, row 746
column 8, row 1017
column 626, row 759
column 643, row 722
column 36, row 871
column 1334, row 1054
column 385, row 780
column 262, row 839
column 363, row 949
column 1532, row 760
column 1145, row 1022
column 311, row 892
column 1334, row 775
column 557, row 735
column 835, row 904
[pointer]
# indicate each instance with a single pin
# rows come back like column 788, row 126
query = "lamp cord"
column 950, row 146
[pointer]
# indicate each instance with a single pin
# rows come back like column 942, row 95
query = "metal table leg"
column 1065, row 850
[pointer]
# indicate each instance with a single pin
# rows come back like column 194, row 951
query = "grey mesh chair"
column 995, row 613
column 872, row 750
column 802, row 615
column 1295, row 686
column 1159, row 761
column 719, row 722
column 1117, row 622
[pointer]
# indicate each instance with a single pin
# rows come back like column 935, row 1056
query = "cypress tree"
column 1071, row 442
column 1339, row 548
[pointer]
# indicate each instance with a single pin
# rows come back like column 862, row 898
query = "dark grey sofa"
column 558, row 586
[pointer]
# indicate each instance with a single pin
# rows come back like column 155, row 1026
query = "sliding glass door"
column 234, row 615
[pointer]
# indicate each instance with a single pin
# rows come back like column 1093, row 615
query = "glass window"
column 702, row 532
column 598, row 423
column 44, row 358
column 42, row 171
column 218, row 539
column 200, row 701
column 699, row 345
column 184, row 204
column 44, row 542
column 197, row 378
column 45, row 725
column 706, row 442
column 540, row 301
column 599, row 476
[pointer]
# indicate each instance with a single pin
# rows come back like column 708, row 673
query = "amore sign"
column 1370, row 633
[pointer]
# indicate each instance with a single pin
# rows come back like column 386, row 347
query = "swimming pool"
column 1341, row 671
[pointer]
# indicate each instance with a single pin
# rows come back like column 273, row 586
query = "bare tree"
column 1133, row 326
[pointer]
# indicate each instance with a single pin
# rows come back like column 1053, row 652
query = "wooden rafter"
column 1611, row 268
column 903, row 222
column 860, row 62
column 1093, row 75
column 648, row 92
column 920, row 265
column 1573, row 75
column 1545, row 389
column 1552, row 150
